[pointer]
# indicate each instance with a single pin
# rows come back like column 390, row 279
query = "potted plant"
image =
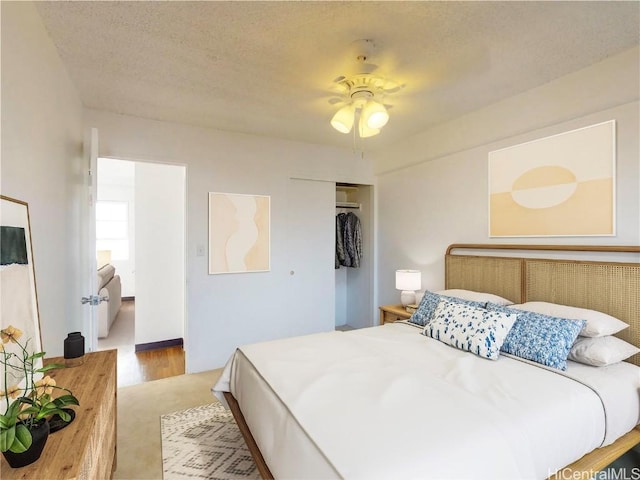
column 28, row 402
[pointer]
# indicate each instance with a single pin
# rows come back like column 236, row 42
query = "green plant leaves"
column 6, row 421
column 51, row 366
column 36, row 403
column 22, row 440
column 36, row 355
column 14, row 409
column 7, row 435
column 16, row 439
column 64, row 415
column 8, row 427
column 64, row 400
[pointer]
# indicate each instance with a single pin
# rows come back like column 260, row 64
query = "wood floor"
column 134, row 368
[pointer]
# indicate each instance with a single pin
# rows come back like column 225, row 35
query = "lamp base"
column 407, row 297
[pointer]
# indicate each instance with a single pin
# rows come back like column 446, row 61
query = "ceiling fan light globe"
column 377, row 119
column 342, row 121
column 375, row 115
column 364, row 130
column 368, row 132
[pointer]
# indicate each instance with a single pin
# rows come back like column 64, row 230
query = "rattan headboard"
column 609, row 287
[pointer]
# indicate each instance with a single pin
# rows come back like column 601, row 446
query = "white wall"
column 597, row 88
column 341, row 278
column 341, row 296
column 440, row 196
column 359, row 283
column 42, row 134
column 225, row 311
column 160, row 254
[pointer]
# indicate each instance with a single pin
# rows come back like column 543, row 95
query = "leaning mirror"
column 18, row 300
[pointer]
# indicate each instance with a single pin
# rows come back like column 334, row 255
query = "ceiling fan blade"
column 393, row 87
column 367, row 67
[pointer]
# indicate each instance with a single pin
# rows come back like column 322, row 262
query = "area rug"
column 204, row 442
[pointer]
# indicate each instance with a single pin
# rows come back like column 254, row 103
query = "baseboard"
column 128, row 299
column 175, row 342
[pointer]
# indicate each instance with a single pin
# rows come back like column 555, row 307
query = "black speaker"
column 74, row 345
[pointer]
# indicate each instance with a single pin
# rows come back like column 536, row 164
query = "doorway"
column 140, row 243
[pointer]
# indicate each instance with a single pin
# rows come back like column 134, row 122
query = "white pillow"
column 470, row 328
column 598, row 324
column 601, row 351
column 475, row 296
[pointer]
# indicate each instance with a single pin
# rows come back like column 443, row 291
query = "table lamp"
column 408, row 281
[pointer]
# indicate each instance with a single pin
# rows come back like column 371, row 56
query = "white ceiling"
column 267, row 68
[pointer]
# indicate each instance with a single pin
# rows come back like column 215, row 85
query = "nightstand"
column 392, row 313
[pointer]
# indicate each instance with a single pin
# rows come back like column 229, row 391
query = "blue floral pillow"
column 430, row 302
column 470, row 328
column 540, row 338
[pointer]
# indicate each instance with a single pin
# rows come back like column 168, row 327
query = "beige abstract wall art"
column 239, row 233
column 562, row 185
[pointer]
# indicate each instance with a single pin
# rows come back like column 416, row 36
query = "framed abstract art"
column 239, row 233
column 562, row 185
column 18, row 297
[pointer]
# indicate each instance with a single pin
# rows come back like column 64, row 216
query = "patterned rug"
column 204, row 442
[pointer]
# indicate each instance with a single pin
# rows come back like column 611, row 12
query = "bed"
column 389, row 402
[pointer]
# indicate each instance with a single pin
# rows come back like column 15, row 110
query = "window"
column 112, row 228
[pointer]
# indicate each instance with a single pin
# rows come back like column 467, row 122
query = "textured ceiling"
column 267, row 68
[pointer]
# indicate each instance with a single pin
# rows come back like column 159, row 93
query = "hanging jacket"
column 352, row 239
column 340, row 253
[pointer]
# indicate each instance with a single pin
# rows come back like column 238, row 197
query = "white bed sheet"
column 411, row 407
column 619, row 388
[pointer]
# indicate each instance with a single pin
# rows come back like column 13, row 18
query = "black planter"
column 39, row 435
column 74, row 345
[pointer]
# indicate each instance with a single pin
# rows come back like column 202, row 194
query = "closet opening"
column 354, row 256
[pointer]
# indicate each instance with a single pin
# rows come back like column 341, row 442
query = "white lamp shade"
column 409, row 280
column 342, row 121
column 375, row 115
column 364, row 130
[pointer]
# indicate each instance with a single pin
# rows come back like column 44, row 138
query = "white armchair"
column 108, row 286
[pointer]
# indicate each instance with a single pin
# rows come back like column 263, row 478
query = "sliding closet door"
column 311, row 254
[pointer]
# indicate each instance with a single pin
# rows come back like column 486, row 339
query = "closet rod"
column 348, row 205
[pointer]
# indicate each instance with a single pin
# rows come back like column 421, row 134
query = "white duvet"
column 387, row 402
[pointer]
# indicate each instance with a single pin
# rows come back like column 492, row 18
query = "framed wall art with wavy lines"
column 239, row 233
column 562, row 185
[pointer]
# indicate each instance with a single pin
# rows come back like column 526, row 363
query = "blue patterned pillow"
column 430, row 302
column 540, row 338
column 470, row 328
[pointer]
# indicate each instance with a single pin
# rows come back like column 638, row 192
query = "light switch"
column 200, row 251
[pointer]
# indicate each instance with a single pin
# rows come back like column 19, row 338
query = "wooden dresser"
column 85, row 449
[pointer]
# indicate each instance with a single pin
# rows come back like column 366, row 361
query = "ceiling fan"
column 362, row 95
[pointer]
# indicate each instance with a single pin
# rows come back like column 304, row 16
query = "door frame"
column 88, row 263
column 185, row 239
